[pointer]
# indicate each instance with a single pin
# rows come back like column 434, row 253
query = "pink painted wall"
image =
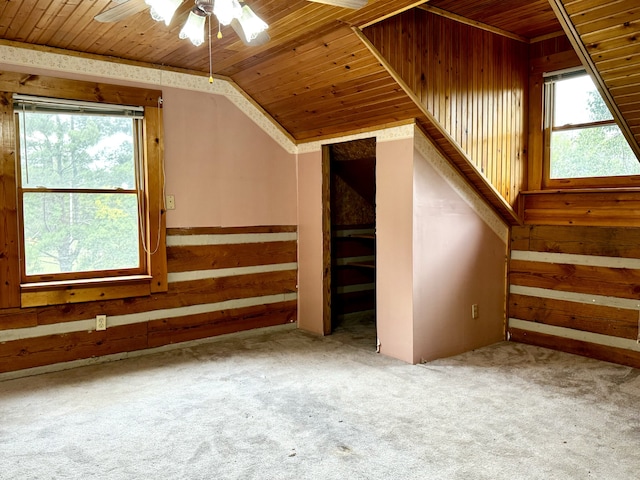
column 310, row 301
column 458, row 261
column 222, row 168
column 394, row 248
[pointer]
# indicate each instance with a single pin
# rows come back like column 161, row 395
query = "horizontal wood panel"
column 18, row 318
column 204, row 257
column 604, row 208
column 520, row 237
column 581, row 240
column 34, row 352
column 595, row 304
column 182, row 294
column 182, row 329
column 80, row 293
column 616, row 322
column 231, row 230
column 179, row 295
column 600, row 352
column 614, row 282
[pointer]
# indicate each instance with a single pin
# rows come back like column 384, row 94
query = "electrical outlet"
column 170, row 202
column 101, row 322
column 474, row 311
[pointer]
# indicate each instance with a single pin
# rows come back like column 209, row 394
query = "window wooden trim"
column 573, row 183
column 12, row 292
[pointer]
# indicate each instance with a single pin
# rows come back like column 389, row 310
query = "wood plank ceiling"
column 317, row 76
column 606, row 35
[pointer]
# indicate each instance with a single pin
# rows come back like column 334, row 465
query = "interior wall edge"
column 462, row 188
column 23, row 57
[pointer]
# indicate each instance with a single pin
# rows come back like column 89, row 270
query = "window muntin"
column 79, row 192
column 583, row 140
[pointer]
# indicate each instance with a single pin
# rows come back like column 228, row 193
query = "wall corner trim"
column 425, row 147
column 24, row 57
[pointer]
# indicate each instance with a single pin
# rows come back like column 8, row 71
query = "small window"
column 80, row 189
column 583, row 140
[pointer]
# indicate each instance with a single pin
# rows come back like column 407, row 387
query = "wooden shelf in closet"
column 362, row 264
column 366, row 236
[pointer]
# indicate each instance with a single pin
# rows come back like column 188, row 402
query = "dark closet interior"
column 353, row 221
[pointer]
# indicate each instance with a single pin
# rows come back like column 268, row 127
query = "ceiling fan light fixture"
column 251, row 24
column 163, row 10
column 355, row 4
column 226, row 10
column 193, row 29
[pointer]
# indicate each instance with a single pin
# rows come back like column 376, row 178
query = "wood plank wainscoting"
column 221, row 280
column 575, row 274
column 575, row 264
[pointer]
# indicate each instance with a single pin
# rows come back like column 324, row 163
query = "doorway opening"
column 349, row 217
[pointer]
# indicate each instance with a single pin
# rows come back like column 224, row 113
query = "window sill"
column 77, row 291
column 555, row 190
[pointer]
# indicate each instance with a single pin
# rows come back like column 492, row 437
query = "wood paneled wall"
column 220, row 281
column 577, row 289
column 474, row 83
column 575, row 264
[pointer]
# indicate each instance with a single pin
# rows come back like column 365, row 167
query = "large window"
column 80, row 189
column 583, row 143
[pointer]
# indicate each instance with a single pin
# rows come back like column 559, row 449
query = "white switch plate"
column 170, row 202
column 474, row 310
column 101, row 322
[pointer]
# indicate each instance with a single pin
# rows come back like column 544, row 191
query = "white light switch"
column 170, row 202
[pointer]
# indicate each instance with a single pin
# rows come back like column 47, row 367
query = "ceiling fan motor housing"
column 205, row 6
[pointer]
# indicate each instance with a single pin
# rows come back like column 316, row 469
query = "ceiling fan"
column 247, row 25
column 250, row 28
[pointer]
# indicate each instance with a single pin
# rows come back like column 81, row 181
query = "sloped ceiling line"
column 430, row 153
column 492, row 196
column 23, row 57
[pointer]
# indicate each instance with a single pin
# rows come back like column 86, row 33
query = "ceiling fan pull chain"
column 210, row 60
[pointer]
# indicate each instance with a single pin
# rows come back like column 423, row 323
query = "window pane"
column 77, row 232
column 577, row 101
column 77, row 151
column 591, row 152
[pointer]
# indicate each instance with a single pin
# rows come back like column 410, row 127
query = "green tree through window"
column 79, row 193
column 585, row 140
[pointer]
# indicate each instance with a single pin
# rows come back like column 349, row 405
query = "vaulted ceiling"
column 315, row 76
column 318, row 76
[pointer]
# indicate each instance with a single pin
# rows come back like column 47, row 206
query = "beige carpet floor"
column 288, row 405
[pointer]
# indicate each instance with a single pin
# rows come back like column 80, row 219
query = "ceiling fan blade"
column 124, row 9
column 355, row 4
column 262, row 38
